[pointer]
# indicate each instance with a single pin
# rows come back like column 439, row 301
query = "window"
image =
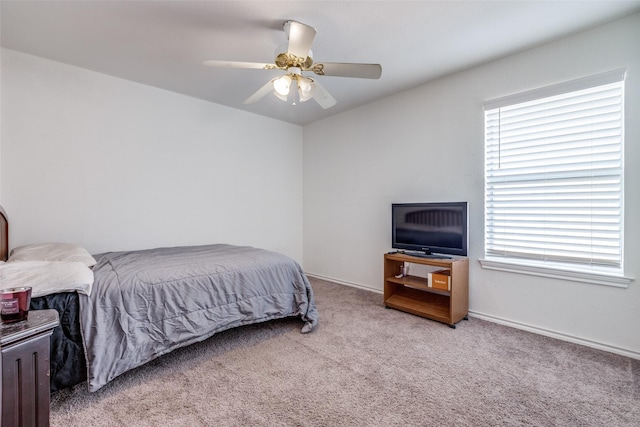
column 553, row 177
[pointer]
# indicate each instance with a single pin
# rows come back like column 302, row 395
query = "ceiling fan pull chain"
column 295, row 91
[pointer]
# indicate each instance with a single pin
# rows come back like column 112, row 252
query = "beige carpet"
column 367, row 366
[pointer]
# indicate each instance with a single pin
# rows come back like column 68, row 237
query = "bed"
column 143, row 304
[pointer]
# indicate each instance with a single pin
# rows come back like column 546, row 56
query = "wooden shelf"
column 416, row 283
column 412, row 294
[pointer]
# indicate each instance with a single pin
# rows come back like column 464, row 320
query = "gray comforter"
column 148, row 303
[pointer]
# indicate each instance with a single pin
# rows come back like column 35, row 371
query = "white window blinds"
column 553, row 174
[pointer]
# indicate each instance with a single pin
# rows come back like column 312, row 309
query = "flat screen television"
column 430, row 229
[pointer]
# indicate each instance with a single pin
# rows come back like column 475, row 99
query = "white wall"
column 116, row 165
column 427, row 145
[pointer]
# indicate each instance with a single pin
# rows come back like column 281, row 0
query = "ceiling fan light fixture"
column 282, row 85
column 306, row 88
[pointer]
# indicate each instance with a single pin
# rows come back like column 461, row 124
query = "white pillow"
column 47, row 277
column 52, row 252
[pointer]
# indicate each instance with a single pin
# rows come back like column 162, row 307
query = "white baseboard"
column 342, row 282
column 523, row 326
column 558, row 335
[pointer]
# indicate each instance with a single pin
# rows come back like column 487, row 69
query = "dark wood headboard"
column 4, row 235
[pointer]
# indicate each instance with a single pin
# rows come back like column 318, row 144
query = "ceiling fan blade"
column 260, row 93
column 339, row 69
column 300, row 38
column 323, row 97
column 237, row 64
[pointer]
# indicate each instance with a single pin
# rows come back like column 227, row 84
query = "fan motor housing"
column 286, row 60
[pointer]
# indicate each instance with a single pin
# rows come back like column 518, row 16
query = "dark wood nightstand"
column 24, row 366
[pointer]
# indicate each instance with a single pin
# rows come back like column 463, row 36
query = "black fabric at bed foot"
column 68, row 364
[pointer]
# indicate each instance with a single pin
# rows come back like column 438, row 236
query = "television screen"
column 428, row 228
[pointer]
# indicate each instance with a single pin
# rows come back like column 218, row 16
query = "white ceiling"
column 163, row 43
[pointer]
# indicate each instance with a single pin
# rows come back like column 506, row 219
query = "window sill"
column 597, row 278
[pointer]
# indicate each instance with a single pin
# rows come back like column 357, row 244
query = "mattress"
column 148, row 303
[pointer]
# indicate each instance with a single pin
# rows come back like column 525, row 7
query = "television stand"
column 412, row 294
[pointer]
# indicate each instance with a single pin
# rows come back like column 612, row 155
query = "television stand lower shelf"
column 413, row 295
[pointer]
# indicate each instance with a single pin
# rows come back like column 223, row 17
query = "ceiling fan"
column 295, row 58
